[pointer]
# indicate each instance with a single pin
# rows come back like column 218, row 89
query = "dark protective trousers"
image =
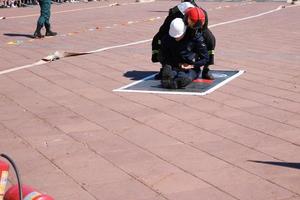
column 44, row 18
column 184, row 77
column 210, row 42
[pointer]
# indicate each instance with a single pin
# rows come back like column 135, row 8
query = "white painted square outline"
column 123, row 89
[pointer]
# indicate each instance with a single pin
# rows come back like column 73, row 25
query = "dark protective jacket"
column 195, row 52
column 192, row 51
column 175, row 12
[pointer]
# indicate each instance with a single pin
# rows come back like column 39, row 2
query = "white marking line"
column 224, row 82
column 134, row 83
column 41, row 62
column 94, row 51
column 246, row 18
column 122, row 89
column 144, row 41
column 119, row 46
column 66, row 11
column 162, row 92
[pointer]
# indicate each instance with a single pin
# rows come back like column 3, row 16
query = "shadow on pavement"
column 138, row 75
column 282, row 164
column 18, row 35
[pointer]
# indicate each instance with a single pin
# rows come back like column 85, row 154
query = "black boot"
column 159, row 75
column 167, row 79
column 205, row 73
column 37, row 33
column 48, row 30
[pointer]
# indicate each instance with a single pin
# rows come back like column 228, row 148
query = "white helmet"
column 182, row 7
column 177, row 28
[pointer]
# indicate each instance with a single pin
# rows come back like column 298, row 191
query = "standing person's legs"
column 40, row 22
column 210, row 42
column 47, row 6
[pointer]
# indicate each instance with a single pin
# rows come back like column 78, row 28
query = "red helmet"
column 196, row 15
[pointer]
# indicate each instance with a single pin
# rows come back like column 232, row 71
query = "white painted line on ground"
column 147, row 40
column 46, row 60
column 162, row 92
column 119, row 46
column 224, row 82
column 72, row 10
column 40, row 62
column 134, row 83
column 123, row 89
column 246, row 18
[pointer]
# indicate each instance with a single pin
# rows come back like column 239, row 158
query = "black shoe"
column 37, row 33
column 50, row 33
column 167, row 80
column 48, row 30
column 206, row 75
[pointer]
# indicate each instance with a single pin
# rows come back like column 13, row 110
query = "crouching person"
column 182, row 56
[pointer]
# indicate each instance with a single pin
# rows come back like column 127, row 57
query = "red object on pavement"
column 4, row 167
column 203, row 81
column 28, row 194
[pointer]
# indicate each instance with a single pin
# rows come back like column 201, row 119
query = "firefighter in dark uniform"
column 44, row 19
column 181, row 56
column 183, row 10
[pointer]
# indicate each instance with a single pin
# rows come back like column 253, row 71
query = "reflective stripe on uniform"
column 211, row 52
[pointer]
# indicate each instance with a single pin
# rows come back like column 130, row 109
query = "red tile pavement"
column 74, row 138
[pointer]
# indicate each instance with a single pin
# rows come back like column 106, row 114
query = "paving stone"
column 74, row 138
